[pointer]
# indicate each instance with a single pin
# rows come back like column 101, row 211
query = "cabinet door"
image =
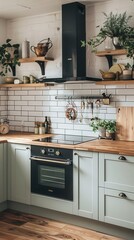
column 19, row 173
column 116, row 207
column 116, row 172
column 3, row 172
column 86, row 184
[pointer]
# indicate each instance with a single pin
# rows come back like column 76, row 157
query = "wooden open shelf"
column 29, row 85
column 115, row 82
column 111, row 52
column 35, row 59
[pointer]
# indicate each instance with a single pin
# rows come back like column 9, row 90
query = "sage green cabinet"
column 19, row 173
column 85, row 184
column 116, row 189
column 3, row 172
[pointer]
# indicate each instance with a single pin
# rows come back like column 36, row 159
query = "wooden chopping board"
column 125, row 123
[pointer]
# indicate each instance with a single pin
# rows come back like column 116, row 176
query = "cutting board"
column 125, row 123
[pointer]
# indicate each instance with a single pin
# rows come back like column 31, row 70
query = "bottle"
column 25, row 49
column 36, row 128
column 46, row 125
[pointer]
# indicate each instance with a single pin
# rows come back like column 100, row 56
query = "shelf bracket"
column 110, row 60
column 13, row 68
column 42, row 66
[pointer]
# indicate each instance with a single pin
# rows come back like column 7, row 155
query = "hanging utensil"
column 92, row 107
column 71, row 110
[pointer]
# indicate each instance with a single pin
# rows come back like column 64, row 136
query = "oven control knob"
column 43, row 151
column 57, row 153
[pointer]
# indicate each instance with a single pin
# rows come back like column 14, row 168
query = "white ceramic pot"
column 102, row 132
column 127, row 74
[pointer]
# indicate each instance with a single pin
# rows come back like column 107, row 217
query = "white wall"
column 3, row 92
column 28, row 105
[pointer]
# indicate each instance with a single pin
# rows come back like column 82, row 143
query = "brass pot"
column 108, row 75
column 42, row 47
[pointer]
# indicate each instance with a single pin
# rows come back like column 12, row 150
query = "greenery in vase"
column 109, row 125
column 97, row 123
column 6, row 57
column 115, row 25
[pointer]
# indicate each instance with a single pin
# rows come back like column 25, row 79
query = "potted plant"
column 9, row 56
column 116, row 27
column 110, row 129
column 99, row 125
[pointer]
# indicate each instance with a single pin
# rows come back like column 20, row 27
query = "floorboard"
column 21, row 226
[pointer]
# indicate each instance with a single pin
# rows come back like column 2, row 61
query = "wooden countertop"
column 99, row 145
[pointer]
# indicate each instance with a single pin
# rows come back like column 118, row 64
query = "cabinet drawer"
column 116, row 172
column 115, row 209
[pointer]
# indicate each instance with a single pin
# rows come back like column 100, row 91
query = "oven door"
column 52, row 177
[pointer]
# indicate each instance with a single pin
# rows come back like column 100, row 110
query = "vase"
column 102, row 132
column 110, row 135
column 117, row 43
column 108, row 44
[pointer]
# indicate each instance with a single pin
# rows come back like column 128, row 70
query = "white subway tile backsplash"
column 27, row 98
column 35, row 103
column 14, row 98
column 21, row 93
column 124, row 91
column 41, row 108
column 41, row 98
column 28, row 108
column 36, row 114
column 10, row 108
column 130, row 98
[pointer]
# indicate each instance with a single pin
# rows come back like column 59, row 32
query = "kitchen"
column 25, row 106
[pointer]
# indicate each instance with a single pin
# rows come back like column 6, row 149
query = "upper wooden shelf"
column 35, row 59
column 29, row 85
column 115, row 82
column 111, row 52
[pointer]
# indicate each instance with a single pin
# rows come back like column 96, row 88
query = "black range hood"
column 73, row 55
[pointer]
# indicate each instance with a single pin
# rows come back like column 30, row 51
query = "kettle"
column 42, row 47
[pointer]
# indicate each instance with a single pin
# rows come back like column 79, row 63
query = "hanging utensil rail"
column 105, row 98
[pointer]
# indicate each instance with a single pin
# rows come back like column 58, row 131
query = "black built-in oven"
column 52, row 172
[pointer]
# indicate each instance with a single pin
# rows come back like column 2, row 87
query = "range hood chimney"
column 73, row 55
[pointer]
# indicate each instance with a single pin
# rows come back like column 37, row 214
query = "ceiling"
column 10, row 9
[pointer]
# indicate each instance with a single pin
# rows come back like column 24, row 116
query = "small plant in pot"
column 9, row 55
column 99, row 125
column 115, row 27
column 110, row 129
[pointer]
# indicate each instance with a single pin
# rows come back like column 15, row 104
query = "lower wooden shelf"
column 115, row 82
column 29, row 85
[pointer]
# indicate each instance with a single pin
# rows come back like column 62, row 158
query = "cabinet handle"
column 122, row 158
column 76, row 154
column 27, row 148
column 122, row 195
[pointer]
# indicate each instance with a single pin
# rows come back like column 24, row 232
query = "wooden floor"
column 21, row 226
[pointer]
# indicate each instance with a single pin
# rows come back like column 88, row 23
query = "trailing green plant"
column 111, row 126
column 6, row 57
column 115, row 25
column 128, row 42
column 97, row 123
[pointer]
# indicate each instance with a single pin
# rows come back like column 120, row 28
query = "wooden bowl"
column 9, row 79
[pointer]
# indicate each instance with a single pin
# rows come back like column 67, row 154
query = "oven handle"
column 68, row 162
